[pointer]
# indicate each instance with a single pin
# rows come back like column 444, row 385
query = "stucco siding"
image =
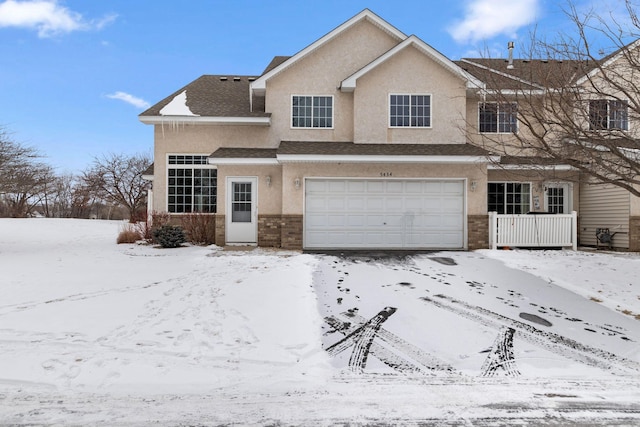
column 176, row 138
column 410, row 72
column 320, row 73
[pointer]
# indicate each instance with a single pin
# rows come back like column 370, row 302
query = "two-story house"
column 364, row 139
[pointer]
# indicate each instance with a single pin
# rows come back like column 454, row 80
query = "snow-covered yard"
column 94, row 333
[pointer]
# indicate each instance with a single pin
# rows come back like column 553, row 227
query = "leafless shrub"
column 129, row 233
column 200, row 228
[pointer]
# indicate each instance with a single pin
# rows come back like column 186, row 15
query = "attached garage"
column 384, row 214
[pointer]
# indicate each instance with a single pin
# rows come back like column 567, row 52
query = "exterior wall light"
column 296, row 182
column 473, row 185
column 268, row 179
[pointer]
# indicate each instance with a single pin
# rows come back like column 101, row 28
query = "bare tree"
column 117, row 179
column 25, row 181
column 574, row 101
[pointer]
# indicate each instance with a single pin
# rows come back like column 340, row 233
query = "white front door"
column 242, row 210
column 558, row 198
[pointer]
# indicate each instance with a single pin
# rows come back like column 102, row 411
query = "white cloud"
column 487, row 18
column 47, row 17
column 129, row 99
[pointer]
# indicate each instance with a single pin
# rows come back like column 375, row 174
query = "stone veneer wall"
column 221, row 240
column 291, row 232
column 478, row 231
column 634, row 233
column 269, row 227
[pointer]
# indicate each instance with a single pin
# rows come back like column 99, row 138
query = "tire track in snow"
column 555, row 343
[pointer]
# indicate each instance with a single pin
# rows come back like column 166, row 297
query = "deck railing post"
column 493, row 230
column 574, row 230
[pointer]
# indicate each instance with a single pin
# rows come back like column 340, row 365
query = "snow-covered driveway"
column 468, row 314
column 94, row 333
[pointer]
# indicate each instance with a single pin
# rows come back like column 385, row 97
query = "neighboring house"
column 362, row 140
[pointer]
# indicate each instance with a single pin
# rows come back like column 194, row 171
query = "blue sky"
column 75, row 74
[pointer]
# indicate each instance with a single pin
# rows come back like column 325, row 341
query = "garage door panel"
column 360, row 213
column 335, row 203
column 394, row 203
column 394, row 187
column 375, row 186
column 356, row 186
column 414, row 187
column 336, row 186
column 336, row 220
column 374, row 220
column 375, row 203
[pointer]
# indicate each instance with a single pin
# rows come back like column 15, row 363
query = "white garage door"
column 392, row 214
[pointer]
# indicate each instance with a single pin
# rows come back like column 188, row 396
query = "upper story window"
column 410, row 111
column 312, row 111
column 497, row 117
column 608, row 114
column 191, row 184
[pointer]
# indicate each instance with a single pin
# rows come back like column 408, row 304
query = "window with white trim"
column 494, row 117
column 608, row 114
column 409, row 110
column 509, row 197
column 191, row 184
column 312, row 111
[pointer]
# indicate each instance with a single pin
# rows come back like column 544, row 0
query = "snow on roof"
column 177, row 106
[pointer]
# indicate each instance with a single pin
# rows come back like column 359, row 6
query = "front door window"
column 241, row 202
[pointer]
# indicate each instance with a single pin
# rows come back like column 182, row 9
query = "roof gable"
column 349, row 84
column 259, row 85
column 608, row 61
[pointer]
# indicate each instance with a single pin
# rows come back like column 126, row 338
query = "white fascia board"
column 327, row 158
column 206, row 120
column 349, row 84
column 532, row 167
column 260, row 84
column 147, row 177
column 614, row 58
column 514, row 92
column 242, row 161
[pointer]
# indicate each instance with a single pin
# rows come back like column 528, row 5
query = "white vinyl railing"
column 553, row 230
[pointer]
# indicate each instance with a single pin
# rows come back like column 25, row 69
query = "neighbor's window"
column 410, row 110
column 496, row 117
column 608, row 114
column 191, row 184
column 509, row 197
column 312, row 111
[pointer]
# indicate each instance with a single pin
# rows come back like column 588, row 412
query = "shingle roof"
column 350, row 148
column 217, row 96
column 277, row 60
column 244, row 153
column 525, row 74
column 307, row 148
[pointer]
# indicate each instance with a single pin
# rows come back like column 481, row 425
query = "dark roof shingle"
column 350, row 148
column 216, row 96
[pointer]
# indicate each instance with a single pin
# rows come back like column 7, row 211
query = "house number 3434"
column 386, row 174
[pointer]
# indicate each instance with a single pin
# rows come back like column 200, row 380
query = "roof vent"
column 223, row 78
column 510, row 46
column 236, row 79
column 252, row 79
